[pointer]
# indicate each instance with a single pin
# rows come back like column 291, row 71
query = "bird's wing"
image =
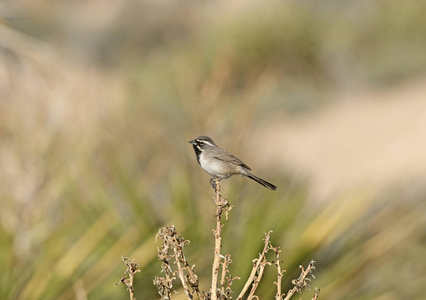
column 229, row 158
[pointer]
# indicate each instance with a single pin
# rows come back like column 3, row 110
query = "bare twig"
column 278, row 295
column 164, row 284
column 184, row 271
column 302, row 281
column 217, row 243
column 192, row 280
column 226, row 261
column 258, row 278
column 180, row 270
column 316, row 294
column 226, row 279
column 221, row 206
column 129, row 274
column 256, row 265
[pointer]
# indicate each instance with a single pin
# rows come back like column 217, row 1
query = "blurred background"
column 325, row 99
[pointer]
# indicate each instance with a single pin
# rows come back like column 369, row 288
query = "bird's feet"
column 214, row 182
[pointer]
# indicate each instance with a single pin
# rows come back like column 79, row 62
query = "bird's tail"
column 262, row 182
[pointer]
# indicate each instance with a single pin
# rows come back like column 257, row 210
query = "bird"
column 220, row 164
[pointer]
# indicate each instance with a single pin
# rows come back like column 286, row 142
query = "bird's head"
column 202, row 143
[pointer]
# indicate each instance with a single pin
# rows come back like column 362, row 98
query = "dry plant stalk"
column 172, row 243
column 278, row 283
column 226, row 281
column 302, row 281
column 129, row 274
column 221, row 206
column 173, row 250
column 258, row 266
column 316, row 294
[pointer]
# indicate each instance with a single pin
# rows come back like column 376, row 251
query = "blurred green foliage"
column 94, row 155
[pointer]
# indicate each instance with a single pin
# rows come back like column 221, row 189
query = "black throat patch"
column 197, row 153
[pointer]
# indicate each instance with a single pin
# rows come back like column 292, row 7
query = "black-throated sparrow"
column 220, row 164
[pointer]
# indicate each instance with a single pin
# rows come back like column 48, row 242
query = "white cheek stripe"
column 199, row 148
column 206, row 142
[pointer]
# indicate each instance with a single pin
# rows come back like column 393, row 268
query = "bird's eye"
column 201, row 143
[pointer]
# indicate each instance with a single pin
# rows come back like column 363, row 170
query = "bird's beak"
column 193, row 142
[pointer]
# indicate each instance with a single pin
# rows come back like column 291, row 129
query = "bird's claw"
column 214, row 182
